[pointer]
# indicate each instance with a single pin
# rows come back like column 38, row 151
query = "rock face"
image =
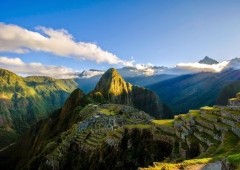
column 24, row 101
column 113, row 88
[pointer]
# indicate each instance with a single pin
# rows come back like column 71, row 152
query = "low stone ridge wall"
column 202, row 139
column 221, row 128
column 205, row 124
column 228, row 122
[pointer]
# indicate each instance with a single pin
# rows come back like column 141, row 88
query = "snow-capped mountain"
column 207, row 64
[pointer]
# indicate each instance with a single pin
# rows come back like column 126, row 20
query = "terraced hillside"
column 96, row 134
column 99, row 134
column 210, row 135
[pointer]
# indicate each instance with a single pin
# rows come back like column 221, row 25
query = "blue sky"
column 161, row 32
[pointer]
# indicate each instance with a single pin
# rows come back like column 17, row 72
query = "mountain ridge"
column 24, row 101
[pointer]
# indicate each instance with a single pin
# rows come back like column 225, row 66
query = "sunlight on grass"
column 164, row 122
column 107, row 112
column 139, row 126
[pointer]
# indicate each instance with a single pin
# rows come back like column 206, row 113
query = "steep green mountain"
column 114, row 89
column 82, row 135
column 193, row 90
column 24, row 101
column 227, row 92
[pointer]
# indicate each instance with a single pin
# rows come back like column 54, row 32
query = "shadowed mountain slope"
column 193, row 90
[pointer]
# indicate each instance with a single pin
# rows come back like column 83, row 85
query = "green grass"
column 197, row 161
column 107, row 112
column 194, row 113
column 207, row 108
column 138, row 126
column 175, row 166
column 229, row 145
column 164, row 122
column 234, row 159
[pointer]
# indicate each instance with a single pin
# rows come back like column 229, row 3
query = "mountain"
column 146, row 75
column 193, row 90
column 227, row 92
column 113, row 88
column 115, row 136
column 87, row 83
column 208, row 60
column 233, row 64
column 24, row 101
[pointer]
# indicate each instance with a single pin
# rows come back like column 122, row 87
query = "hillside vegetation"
column 88, row 134
column 24, row 101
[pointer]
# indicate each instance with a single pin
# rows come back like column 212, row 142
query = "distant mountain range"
column 207, row 64
column 196, row 84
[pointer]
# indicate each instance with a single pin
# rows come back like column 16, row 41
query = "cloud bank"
column 16, row 39
column 16, row 65
column 198, row 67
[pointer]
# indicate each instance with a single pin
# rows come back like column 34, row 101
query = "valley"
column 24, row 101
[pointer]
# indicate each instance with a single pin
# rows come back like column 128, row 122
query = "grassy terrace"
column 174, row 166
column 210, row 108
column 227, row 149
column 194, row 113
column 204, row 122
column 164, row 122
column 139, row 126
column 107, row 112
column 210, row 117
column 229, row 145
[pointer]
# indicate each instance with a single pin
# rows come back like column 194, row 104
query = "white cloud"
column 59, row 42
column 198, row 67
column 91, row 73
column 11, row 61
column 16, row 65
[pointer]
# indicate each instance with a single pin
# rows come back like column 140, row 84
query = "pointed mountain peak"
column 112, row 82
column 112, row 72
column 208, row 60
column 111, row 76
